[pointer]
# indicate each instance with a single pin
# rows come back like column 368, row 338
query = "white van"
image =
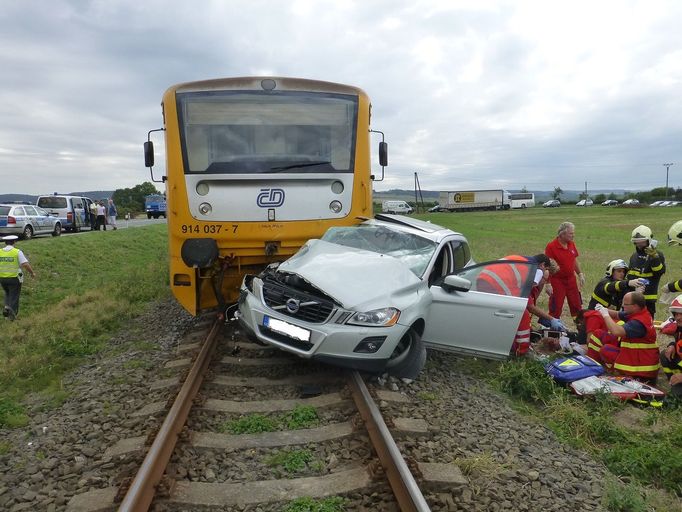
column 72, row 211
column 396, row 207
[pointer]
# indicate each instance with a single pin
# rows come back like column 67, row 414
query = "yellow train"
column 255, row 167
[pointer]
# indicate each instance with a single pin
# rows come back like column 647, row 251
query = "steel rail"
column 405, row 488
column 142, row 489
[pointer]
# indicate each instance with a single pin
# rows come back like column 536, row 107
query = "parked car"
column 610, row 202
column 552, row 203
column 25, row 220
column 434, row 209
column 73, row 211
column 396, row 207
column 585, row 202
column 372, row 296
column 631, row 202
column 657, row 203
column 673, row 203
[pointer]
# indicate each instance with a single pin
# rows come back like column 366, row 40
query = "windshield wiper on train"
column 298, row 165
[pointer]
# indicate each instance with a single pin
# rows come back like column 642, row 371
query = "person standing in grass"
column 101, row 216
column 111, row 214
column 12, row 263
column 564, row 285
column 647, row 262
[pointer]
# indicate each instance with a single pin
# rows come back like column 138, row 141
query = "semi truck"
column 466, row 200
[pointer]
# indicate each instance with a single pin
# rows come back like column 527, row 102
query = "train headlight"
column 335, row 206
column 337, row 187
column 202, row 188
column 205, row 208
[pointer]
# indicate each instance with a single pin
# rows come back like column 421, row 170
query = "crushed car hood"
column 351, row 276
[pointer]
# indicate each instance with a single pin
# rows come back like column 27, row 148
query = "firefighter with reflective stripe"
column 610, row 290
column 671, row 356
column 509, row 280
column 12, row 264
column 647, row 262
column 636, row 355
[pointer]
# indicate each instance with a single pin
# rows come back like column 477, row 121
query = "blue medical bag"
column 568, row 369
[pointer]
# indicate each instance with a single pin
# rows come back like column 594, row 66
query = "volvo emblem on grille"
column 293, row 305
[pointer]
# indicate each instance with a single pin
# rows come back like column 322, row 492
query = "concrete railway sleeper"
column 196, row 462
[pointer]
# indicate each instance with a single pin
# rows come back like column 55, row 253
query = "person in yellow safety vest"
column 12, row 262
column 647, row 262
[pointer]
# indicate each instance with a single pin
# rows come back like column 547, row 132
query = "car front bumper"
column 328, row 342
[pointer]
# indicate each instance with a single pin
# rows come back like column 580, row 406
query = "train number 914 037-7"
column 208, row 229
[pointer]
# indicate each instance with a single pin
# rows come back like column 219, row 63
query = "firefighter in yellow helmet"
column 610, row 290
column 647, row 262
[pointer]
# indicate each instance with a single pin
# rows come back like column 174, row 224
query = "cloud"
column 476, row 94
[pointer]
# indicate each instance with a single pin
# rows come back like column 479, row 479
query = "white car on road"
column 371, row 297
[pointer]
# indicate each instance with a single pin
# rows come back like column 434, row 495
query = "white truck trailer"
column 466, row 200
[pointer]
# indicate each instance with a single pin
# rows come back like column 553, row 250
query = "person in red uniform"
column 510, row 280
column 636, row 352
column 564, row 285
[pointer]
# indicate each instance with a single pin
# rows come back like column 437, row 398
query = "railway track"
column 251, row 428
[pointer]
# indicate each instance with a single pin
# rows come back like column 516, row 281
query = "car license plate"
column 290, row 330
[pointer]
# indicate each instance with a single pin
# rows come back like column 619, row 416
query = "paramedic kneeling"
column 637, row 353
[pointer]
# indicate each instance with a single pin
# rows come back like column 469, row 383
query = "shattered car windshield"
column 414, row 251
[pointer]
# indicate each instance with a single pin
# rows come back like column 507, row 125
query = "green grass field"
column 87, row 287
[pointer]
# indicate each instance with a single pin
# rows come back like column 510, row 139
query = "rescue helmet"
column 676, row 305
column 614, row 265
column 641, row 233
column 675, row 234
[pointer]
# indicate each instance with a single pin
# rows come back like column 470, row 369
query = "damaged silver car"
column 372, row 297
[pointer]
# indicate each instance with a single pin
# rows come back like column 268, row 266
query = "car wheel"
column 408, row 357
column 149, row 215
column 28, row 233
column 57, row 229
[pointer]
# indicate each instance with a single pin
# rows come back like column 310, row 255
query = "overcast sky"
column 470, row 94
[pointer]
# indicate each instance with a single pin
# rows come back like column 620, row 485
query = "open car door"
column 477, row 311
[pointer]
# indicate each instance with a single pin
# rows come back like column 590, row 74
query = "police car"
column 26, row 220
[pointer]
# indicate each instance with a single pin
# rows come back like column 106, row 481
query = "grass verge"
column 632, row 449
column 87, row 286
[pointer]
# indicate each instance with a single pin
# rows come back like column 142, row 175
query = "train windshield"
column 267, row 132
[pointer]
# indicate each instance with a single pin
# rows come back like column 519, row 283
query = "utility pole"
column 667, row 168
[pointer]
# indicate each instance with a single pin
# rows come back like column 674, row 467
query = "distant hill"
column 95, row 194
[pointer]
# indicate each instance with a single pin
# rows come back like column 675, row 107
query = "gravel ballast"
column 512, row 463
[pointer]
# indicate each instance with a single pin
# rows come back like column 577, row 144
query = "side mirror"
column 149, row 154
column 456, row 283
column 383, row 154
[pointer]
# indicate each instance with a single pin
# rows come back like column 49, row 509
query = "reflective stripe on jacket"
column 505, row 279
column 644, row 266
column 608, row 293
column 639, row 356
